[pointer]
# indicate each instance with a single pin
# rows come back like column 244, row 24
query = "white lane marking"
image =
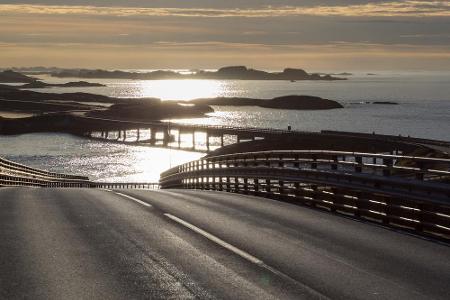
column 246, row 256
column 216, row 240
column 134, row 199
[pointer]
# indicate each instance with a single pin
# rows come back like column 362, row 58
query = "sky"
column 317, row 35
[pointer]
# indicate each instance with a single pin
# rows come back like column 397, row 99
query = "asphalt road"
column 97, row 244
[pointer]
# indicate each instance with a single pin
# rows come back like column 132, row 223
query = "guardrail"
column 14, row 174
column 402, row 191
column 126, row 185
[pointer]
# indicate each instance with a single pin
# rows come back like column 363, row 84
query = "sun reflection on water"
column 181, row 89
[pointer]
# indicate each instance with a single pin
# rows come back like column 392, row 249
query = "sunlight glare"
column 181, row 89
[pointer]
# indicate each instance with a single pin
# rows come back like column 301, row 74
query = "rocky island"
column 10, row 76
column 40, row 84
column 225, row 73
column 293, row 102
column 51, row 109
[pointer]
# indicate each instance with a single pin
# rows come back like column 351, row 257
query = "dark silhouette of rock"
column 285, row 102
column 39, row 84
column 10, row 76
column 150, row 111
column 14, row 93
column 231, row 72
column 385, row 102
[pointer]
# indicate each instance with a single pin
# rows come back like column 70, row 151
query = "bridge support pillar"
column 153, row 136
column 221, row 140
column 138, row 135
column 207, row 142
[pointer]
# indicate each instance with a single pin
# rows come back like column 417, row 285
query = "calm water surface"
column 423, row 111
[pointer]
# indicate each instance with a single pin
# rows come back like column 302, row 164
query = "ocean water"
column 423, row 110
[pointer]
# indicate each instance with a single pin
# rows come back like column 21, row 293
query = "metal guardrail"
column 126, row 185
column 402, row 191
column 14, row 174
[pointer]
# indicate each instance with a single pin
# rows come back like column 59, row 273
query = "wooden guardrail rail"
column 401, row 191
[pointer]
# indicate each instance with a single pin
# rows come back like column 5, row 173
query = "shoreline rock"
column 225, row 73
column 291, row 102
column 40, row 84
column 10, row 76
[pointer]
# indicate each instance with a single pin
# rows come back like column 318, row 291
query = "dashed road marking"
column 246, row 256
column 134, row 199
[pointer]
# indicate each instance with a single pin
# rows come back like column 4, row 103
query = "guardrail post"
column 419, row 226
column 268, row 187
column 280, row 161
column 388, row 162
column 334, row 166
column 296, row 161
column 256, row 185
column 387, row 211
column 220, row 183
column 357, row 204
column 202, row 184
column 236, row 184
column 228, row 184
column 420, row 175
column 314, row 196
column 358, row 166
column 314, row 162
column 246, row 185
column 281, row 187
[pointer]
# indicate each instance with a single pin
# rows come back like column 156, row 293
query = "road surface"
column 136, row 244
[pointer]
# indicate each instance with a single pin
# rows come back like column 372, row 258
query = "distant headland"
column 40, row 84
column 225, row 73
column 10, row 76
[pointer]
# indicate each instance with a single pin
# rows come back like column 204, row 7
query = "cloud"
column 337, row 56
column 405, row 8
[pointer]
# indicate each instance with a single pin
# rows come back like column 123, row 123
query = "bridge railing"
column 395, row 190
column 126, row 185
column 14, row 174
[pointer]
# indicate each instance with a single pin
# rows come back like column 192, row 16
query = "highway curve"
column 182, row 244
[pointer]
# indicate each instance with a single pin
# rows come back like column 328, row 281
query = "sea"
column 423, row 110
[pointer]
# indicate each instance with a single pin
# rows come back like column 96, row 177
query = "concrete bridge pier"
column 153, row 135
